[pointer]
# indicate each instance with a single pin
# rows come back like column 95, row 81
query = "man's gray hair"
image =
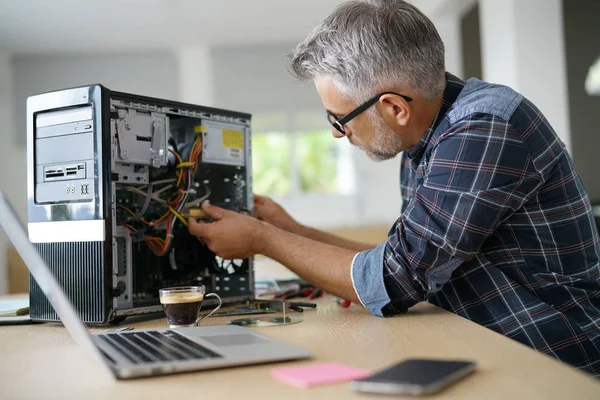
column 374, row 45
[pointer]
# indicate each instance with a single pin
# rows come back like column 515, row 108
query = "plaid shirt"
column 496, row 227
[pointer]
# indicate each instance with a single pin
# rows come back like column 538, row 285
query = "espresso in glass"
column 182, row 305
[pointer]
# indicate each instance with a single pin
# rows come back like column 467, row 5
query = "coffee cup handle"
column 214, row 310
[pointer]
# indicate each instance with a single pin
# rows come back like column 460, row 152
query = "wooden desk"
column 40, row 361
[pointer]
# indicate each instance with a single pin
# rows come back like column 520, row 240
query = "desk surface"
column 41, row 361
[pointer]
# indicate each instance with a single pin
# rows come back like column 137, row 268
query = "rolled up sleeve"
column 367, row 279
column 371, row 277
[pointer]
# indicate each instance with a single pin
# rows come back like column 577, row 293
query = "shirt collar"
column 454, row 86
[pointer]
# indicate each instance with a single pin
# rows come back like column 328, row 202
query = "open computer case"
column 112, row 178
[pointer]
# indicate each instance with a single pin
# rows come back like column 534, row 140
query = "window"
column 307, row 162
column 270, row 163
column 317, row 155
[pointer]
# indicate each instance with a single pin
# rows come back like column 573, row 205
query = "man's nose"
column 336, row 134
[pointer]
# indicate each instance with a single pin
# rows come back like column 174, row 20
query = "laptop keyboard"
column 148, row 347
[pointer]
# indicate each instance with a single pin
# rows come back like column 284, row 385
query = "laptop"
column 152, row 352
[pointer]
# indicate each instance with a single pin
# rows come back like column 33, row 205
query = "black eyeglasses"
column 339, row 123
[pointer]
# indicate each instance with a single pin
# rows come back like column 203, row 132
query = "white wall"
column 255, row 79
column 195, row 75
column 448, row 27
column 150, row 74
column 523, row 47
column 12, row 160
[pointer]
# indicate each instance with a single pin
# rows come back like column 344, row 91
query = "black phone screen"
column 419, row 372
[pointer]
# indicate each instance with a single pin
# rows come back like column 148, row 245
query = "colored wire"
column 134, row 215
column 185, row 170
column 179, row 216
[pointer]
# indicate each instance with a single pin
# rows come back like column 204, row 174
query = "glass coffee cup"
column 182, row 305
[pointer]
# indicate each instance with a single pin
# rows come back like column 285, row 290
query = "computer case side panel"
column 69, row 221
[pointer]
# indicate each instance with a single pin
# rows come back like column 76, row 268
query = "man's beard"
column 385, row 145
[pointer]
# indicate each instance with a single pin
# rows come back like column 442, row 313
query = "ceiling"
column 41, row 26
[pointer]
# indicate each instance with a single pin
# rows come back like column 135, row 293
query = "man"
column 496, row 225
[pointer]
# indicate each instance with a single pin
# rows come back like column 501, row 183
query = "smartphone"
column 415, row 377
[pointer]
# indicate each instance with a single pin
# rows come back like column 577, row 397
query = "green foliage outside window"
column 270, row 163
column 316, row 154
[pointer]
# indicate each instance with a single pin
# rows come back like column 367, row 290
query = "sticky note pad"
column 318, row 374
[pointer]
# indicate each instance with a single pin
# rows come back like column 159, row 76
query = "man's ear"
column 394, row 109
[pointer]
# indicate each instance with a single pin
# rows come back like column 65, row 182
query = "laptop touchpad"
column 235, row 340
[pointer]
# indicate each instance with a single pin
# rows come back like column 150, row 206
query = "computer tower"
column 112, row 178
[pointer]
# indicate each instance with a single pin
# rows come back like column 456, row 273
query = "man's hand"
column 269, row 211
column 232, row 235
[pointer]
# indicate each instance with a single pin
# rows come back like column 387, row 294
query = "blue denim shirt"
column 496, row 227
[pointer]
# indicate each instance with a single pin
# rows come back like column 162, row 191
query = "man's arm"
column 334, row 240
column 326, row 266
column 269, row 211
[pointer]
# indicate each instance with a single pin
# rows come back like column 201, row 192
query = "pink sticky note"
column 318, row 374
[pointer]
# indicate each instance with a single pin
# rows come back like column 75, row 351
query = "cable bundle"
column 185, row 172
